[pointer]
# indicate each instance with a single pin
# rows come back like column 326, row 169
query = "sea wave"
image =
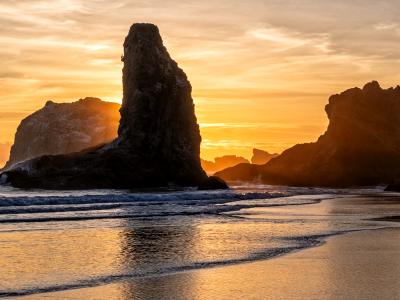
column 19, row 206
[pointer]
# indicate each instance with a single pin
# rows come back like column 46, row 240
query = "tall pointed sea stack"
column 157, row 115
column 158, row 140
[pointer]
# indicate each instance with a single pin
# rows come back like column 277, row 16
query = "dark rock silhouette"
column 393, row 187
column 4, row 153
column 213, row 183
column 360, row 147
column 61, row 128
column 222, row 162
column 158, row 140
column 261, row 157
column 242, row 172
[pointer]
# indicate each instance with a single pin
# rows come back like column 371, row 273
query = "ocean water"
column 55, row 241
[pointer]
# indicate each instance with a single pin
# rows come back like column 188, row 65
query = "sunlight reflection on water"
column 64, row 241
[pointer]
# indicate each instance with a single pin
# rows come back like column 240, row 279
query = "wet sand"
column 358, row 265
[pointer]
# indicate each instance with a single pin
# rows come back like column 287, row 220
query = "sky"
column 261, row 71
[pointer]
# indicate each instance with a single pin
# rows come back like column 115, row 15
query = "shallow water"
column 53, row 241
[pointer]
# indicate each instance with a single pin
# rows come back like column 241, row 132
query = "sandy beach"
column 360, row 265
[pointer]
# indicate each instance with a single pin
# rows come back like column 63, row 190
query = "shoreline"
column 316, row 241
column 113, row 289
column 315, row 224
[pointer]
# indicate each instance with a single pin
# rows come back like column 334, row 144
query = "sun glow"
column 258, row 80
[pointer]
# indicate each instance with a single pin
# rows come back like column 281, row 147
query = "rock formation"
column 213, row 183
column 393, row 187
column 222, row 162
column 61, row 128
column 261, row 157
column 243, row 172
column 360, row 147
column 158, row 140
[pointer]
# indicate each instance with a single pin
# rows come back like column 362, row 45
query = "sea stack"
column 361, row 146
column 158, row 120
column 158, row 141
column 61, row 128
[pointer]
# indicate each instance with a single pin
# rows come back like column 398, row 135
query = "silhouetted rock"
column 242, row 172
column 261, row 157
column 208, row 166
column 65, row 128
column 222, row 162
column 393, row 187
column 360, row 147
column 158, row 140
column 4, row 153
column 213, row 183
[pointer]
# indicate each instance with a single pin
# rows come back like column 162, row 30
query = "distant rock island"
column 60, row 128
column 222, row 162
column 360, row 147
column 158, row 141
column 261, row 157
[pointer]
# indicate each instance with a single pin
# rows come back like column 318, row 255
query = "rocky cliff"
column 60, row 128
column 158, row 140
column 261, row 157
column 360, row 147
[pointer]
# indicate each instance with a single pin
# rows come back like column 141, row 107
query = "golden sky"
column 262, row 71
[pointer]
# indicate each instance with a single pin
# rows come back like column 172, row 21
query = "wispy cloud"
column 285, row 39
column 386, row 26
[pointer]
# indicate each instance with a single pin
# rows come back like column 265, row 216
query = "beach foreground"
column 358, row 265
column 240, row 243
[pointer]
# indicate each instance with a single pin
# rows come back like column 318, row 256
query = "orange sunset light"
column 255, row 83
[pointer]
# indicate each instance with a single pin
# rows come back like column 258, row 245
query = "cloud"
column 250, row 63
column 285, row 39
column 386, row 26
column 10, row 75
